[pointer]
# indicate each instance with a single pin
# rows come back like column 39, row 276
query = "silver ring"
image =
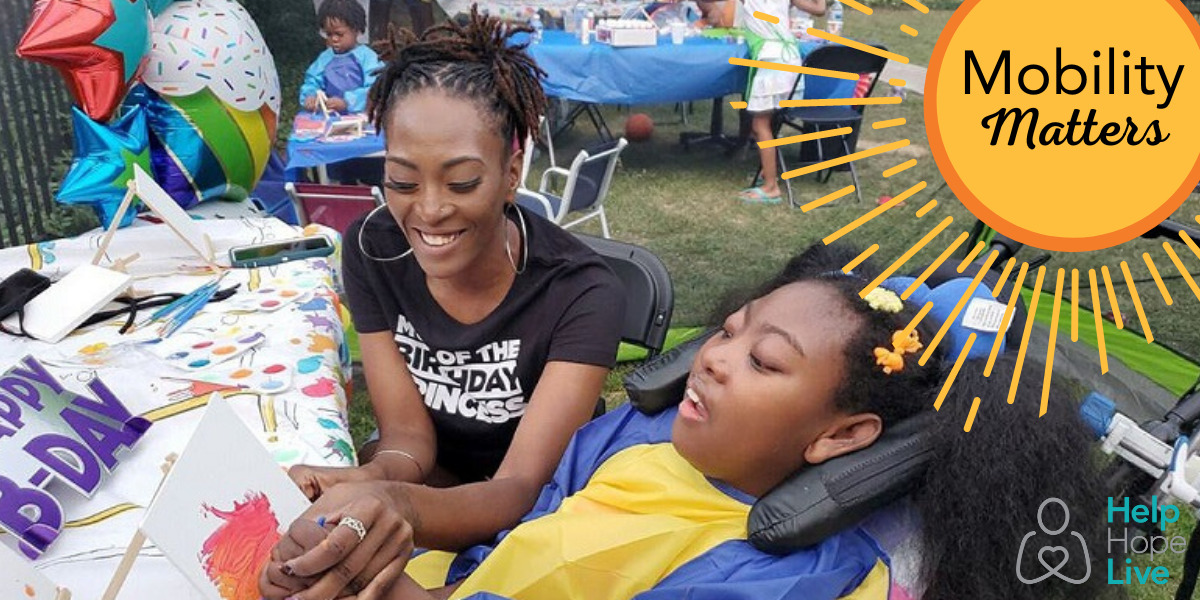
column 355, row 525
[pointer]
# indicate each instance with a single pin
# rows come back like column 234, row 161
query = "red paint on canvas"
column 234, row 555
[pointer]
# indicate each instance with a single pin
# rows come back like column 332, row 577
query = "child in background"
column 346, row 69
column 771, row 42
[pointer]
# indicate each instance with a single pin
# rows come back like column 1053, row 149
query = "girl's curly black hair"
column 983, row 491
column 475, row 61
column 349, row 12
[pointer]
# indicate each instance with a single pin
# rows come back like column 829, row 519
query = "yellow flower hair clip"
column 892, row 360
column 884, row 299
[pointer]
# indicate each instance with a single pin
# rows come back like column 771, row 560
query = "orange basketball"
column 639, row 127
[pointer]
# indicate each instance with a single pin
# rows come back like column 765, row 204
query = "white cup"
column 678, row 31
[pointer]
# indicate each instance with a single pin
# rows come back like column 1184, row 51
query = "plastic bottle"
column 585, row 28
column 578, row 13
column 800, row 21
column 536, row 23
column 833, row 24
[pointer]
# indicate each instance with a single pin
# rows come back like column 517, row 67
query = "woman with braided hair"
column 486, row 331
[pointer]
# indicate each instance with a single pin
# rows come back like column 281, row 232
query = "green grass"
column 682, row 205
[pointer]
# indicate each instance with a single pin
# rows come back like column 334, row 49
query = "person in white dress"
column 770, row 42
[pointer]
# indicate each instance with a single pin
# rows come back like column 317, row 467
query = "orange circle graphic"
column 1068, row 129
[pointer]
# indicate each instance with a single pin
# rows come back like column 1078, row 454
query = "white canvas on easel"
column 19, row 580
column 198, row 502
column 161, row 203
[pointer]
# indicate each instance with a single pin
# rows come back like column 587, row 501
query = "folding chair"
column 585, row 188
column 649, row 294
column 822, row 118
column 335, row 206
column 531, row 147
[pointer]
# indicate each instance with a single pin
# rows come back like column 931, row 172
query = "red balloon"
column 96, row 45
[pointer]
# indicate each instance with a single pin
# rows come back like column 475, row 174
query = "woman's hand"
column 310, row 103
column 342, row 563
column 314, row 481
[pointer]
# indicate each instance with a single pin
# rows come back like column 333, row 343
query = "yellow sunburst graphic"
column 993, row 197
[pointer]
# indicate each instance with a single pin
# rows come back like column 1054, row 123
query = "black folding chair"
column 822, row 118
column 649, row 295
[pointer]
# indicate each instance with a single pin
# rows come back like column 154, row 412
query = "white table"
column 305, row 424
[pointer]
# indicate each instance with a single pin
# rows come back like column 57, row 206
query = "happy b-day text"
column 72, row 438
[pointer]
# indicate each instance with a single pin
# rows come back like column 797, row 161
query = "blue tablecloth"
column 598, row 73
column 698, row 69
column 303, row 154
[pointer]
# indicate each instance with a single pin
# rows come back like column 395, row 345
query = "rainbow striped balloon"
column 212, row 98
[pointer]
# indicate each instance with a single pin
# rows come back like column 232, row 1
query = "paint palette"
column 195, row 352
column 272, row 377
column 268, row 299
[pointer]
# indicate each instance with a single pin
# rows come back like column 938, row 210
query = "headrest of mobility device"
column 982, row 313
column 659, row 383
column 822, row 499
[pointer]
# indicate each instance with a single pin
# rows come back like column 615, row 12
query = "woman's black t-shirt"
column 477, row 379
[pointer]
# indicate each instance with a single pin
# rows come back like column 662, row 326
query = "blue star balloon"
column 103, row 164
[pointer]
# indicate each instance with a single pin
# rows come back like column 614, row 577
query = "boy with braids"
column 346, row 70
column 486, row 331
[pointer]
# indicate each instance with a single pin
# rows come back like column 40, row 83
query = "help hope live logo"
column 1069, row 125
column 1074, row 558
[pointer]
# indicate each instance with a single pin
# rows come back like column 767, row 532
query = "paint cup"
column 678, row 32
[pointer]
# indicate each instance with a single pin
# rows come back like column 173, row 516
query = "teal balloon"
column 129, row 35
column 157, row 6
column 103, row 163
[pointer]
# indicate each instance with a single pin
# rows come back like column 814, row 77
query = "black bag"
column 17, row 290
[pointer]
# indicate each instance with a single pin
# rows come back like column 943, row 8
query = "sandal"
column 756, row 195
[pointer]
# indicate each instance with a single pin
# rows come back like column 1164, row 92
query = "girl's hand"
column 314, row 481
column 336, row 104
column 302, row 536
column 310, row 103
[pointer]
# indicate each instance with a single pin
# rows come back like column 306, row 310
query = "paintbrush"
column 207, row 290
column 189, row 311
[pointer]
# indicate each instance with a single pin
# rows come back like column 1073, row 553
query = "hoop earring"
column 524, row 241
column 363, row 249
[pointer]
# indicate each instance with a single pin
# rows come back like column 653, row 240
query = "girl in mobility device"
column 656, row 506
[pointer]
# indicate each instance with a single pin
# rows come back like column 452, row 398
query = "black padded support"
column 823, row 499
column 659, row 383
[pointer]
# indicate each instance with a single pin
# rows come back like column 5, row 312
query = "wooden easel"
column 171, row 218
column 135, row 545
column 115, row 223
column 336, row 124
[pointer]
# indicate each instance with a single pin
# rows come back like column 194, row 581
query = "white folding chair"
column 585, row 186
